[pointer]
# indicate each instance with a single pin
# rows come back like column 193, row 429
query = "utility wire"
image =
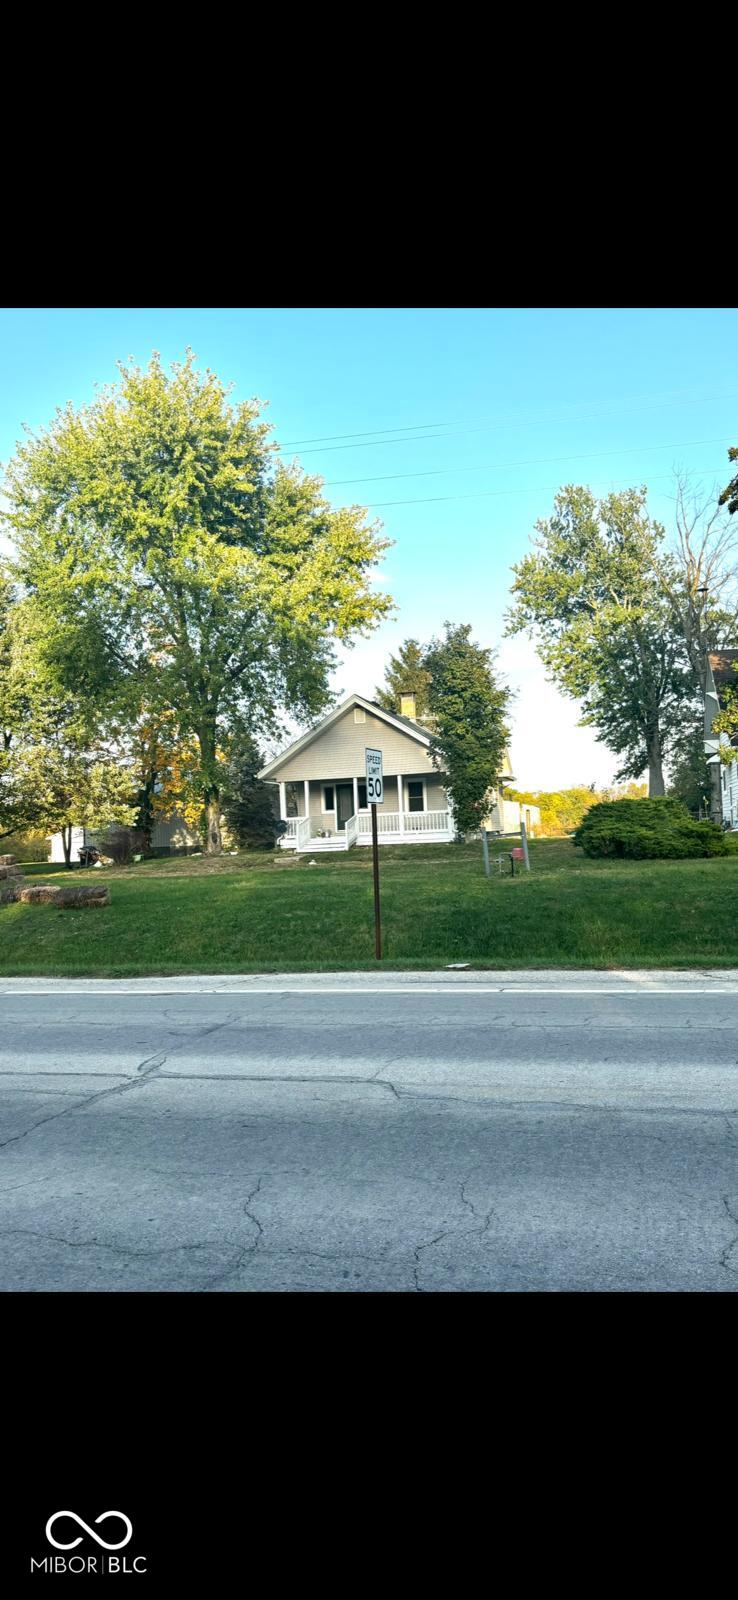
column 539, row 488
column 534, row 461
column 499, row 426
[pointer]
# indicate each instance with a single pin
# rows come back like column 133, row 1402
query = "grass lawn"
column 262, row 913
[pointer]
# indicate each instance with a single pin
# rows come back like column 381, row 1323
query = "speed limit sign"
column 374, row 778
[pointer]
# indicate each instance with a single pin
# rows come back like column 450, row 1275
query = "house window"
column 329, row 803
column 416, row 796
column 359, row 715
column 362, row 797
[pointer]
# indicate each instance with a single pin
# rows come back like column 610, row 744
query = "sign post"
column 375, row 794
column 524, row 838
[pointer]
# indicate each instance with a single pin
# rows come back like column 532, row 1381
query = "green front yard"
column 255, row 913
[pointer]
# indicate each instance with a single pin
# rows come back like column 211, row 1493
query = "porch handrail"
column 412, row 821
column 304, row 831
column 352, row 831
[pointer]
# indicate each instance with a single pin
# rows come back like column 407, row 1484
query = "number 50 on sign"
column 374, row 778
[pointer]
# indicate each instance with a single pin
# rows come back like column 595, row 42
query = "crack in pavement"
column 115, row 1249
column 247, row 1249
column 141, row 1074
column 449, row 1232
column 726, row 1253
column 251, row 1077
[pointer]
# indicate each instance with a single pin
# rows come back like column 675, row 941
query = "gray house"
column 722, row 672
column 172, row 835
column 322, row 789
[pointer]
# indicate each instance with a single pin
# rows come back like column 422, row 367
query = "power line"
column 535, row 461
column 497, row 425
column 325, row 437
column 487, row 494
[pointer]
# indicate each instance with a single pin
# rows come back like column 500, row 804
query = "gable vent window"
column 359, row 715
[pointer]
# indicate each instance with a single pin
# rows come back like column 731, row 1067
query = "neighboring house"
column 168, row 837
column 722, row 665
column 322, row 788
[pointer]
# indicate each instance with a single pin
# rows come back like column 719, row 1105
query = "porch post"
column 283, row 801
column 401, row 803
column 356, row 797
column 307, row 797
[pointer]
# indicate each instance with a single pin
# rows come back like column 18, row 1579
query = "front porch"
column 393, row 827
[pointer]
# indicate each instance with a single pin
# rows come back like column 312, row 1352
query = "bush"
column 122, row 845
column 26, row 846
column 648, row 829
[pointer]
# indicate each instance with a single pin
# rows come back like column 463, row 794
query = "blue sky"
column 498, row 408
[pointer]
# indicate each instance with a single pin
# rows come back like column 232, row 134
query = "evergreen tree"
column 406, row 673
column 248, row 804
column 470, row 731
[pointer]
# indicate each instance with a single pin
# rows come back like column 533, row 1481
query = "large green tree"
column 180, row 564
column 591, row 595
column 406, row 673
column 469, row 709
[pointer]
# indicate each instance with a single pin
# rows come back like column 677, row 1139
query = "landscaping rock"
column 8, row 893
column 7, row 861
column 38, row 894
column 97, row 894
column 11, row 871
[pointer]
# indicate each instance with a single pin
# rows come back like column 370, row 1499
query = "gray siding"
column 337, row 754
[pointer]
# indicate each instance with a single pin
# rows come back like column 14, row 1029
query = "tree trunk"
column 215, row 839
column 656, row 785
column 66, row 834
column 715, row 770
column 207, row 741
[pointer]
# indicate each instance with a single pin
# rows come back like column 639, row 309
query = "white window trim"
column 407, row 782
column 327, row 811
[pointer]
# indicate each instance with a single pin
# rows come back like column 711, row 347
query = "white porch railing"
column 426, row 821
column 304, row 832
column 413, row 823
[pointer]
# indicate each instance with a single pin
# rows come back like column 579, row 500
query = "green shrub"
column 648, row 829
column 25, row 846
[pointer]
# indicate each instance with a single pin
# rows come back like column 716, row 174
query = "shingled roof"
column 724, row 664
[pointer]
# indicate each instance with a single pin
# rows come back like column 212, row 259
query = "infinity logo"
column 91, row 1531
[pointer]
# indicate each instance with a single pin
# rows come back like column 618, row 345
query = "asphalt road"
column 430, row 1132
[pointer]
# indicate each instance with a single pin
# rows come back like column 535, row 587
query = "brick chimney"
column 407, row 706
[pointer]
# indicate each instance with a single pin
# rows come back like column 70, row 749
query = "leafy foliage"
column 591, row 594
column 406, row 673
column 729, row 496
column 689, row 779
column 61, row 784
column 175, row 563
column 470, row 731
column 248, row 804
column 648, row 829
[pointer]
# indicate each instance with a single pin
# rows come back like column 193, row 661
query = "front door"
column 344, row 804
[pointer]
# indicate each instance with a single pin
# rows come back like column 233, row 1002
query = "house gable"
column 336, row 748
